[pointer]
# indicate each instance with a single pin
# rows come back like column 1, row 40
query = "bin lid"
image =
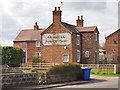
column 85, row 68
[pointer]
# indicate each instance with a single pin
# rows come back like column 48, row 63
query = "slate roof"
column 70, row 27
column 75, row 29
column 29, row 35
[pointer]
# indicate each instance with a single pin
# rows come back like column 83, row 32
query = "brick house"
column 112, row 46
column 60, row 42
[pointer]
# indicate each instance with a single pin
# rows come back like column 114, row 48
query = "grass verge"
column 106, row 74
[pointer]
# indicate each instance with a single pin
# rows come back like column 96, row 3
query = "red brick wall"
column 111, row 47
column 55, row 53
column 90, row 44
column 31, row 48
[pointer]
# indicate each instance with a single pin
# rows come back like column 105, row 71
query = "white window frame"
column 38, row 44
column 96, row 36
column 78, row 39
column 78, row 55
column 87, row 54
column 36, row 54
column 67, row 58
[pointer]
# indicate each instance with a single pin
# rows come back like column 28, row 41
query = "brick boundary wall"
column 19, row 79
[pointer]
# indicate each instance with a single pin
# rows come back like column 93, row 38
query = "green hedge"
column 0, row 55
column 37, row 59
column 12, row 56
column 67, row 69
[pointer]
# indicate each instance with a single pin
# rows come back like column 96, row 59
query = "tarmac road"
column 97, row 82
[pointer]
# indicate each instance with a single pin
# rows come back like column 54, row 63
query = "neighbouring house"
column 60, row 42
column 102, row 56
column 112, row 46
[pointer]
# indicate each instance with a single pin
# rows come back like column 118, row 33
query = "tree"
column 12, row 56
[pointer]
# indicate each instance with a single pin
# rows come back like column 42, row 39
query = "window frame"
column 78, row 39
column 78, row 55
column 87, row 54
column 38, row 44
column 96, row 36
column 67, row 59
column 115, row 41
column 36, row 54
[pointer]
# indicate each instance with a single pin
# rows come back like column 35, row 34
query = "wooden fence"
column 104, row 68
column 101, row 68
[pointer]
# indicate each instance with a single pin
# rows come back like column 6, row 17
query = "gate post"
column 115, row 68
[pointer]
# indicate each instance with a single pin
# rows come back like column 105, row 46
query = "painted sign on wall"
column 56, row 39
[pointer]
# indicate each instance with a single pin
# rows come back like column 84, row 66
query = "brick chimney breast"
column 79, row 21
column 36, row 27
column 57, row 15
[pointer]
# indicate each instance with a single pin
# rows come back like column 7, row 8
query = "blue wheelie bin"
column 86, row 73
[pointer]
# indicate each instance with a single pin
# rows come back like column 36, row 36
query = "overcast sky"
column 15, row 16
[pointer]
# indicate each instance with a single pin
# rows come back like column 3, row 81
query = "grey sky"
column 23, row 14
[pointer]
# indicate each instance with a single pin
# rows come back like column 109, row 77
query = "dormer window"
column 38, row 44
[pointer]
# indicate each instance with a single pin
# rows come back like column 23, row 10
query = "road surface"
column 97, row 82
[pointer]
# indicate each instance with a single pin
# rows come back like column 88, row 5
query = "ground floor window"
column 38, row 54
column 78, row 55
column 65, row 58
column 87, row 54
column 25, row 56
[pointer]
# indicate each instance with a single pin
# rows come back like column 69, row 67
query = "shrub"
column 0, row 55
column 33, row 69
column 41, row 78
column 37, row 59
column 66, row 69
column 12, row 56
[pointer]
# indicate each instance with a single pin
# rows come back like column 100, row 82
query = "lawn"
column 106, row 74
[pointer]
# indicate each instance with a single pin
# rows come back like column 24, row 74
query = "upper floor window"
column 78, row 39
column 115, row 41
column 87, row 54
column 38, row 44
column 78, row 55
column 65, row 58
column 96, row 36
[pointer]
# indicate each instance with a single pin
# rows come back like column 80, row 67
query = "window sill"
column 38, row 46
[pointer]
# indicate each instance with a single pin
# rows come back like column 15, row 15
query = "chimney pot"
column 79, row 21
column 78, row 17
column 36, row 27
column 57, row 15
column 58, row 8
column 36, row 23
column 81, row 17
column 55, row 8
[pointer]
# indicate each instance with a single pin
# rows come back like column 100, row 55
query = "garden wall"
column 59, row 78
column 17, row 79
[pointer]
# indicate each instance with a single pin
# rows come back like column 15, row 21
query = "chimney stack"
column 79, row 21
column 57, row 15
column 36, row 27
